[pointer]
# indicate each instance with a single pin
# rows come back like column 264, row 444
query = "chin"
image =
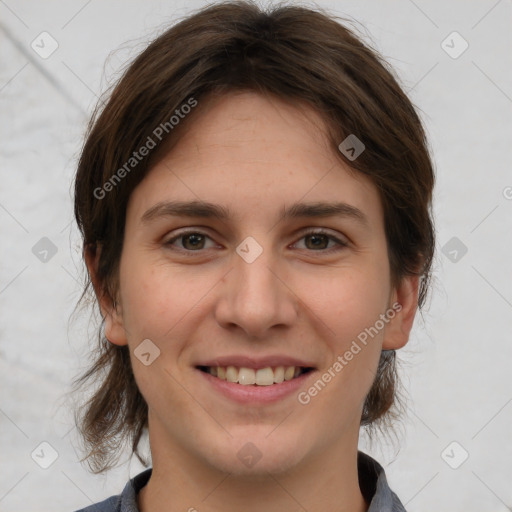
column 257, row 455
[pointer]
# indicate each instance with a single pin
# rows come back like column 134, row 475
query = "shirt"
column 372, row 482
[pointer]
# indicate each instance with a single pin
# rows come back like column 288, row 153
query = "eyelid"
column 187, row 231
column 324, row 231
column 341, row 244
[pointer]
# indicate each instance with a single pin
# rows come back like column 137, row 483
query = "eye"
column 319, row 239
column 190, row 240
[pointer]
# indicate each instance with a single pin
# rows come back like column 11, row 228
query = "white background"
column 457, row 366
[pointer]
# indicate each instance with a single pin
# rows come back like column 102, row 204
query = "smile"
column 255, row 377
column 255, row 386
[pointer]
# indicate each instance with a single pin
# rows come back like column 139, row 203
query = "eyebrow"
column 297, row 210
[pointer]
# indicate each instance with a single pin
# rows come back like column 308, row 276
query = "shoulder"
column 111, row 504
column 124, row 502
column 374, row 486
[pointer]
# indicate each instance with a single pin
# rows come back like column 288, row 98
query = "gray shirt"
column 372, row 481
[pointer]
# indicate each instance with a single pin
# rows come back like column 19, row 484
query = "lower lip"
column 254, row 394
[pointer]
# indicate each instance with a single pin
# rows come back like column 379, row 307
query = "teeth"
column 279, row 375
column 289, row 373
column 264, row 377
column 261, row 377
column 246, row 376
column 231, row 374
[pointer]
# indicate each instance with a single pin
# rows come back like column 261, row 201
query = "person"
column 254, row 200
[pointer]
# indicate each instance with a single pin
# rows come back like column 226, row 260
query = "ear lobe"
column 110, row 309
column 399, row 328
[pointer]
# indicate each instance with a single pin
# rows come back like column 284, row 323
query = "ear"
column 399, row 327
column 114, row 328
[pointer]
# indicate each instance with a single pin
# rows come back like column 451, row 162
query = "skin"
column 254, row 155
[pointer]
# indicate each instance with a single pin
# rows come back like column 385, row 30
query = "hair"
column 298, row 55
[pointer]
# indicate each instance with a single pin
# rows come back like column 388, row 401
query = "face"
column 260, row 274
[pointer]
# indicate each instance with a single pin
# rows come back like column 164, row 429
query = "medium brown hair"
column 299, row 55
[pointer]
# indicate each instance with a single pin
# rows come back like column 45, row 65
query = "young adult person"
column 255, row 204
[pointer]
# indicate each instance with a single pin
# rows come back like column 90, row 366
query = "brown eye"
column 190, row 241
column 319, row 240
column 193, row 241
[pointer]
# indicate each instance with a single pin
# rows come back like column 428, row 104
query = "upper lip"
column 255, row 362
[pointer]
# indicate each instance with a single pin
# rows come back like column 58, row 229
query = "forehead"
column 239, row 125
column 255, row 154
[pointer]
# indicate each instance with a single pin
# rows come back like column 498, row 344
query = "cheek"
column 349, row 306
column 158, row 301
column 348, row 301
column 157, row 296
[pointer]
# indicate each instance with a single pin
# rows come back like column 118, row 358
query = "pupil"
column 194, row 238
column 318, row 238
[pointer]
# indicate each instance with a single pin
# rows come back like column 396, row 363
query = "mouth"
column 266, row 376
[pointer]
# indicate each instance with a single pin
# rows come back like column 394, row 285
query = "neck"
column 179, row 481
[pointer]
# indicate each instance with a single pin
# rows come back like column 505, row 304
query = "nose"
column 256, row 297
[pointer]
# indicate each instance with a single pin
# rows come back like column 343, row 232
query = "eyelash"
column 341, row 244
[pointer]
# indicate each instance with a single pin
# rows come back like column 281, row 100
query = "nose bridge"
column 254, row 296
